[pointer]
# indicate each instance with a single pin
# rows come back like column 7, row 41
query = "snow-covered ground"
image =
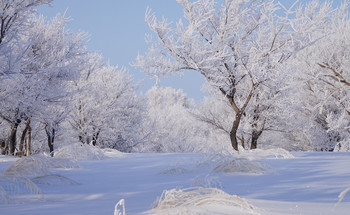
column 250, row 183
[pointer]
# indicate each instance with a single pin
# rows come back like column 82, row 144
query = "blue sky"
column 117, row 30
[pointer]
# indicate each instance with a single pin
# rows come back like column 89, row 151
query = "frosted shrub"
column 38, row 165
column 28, row 166
column 16, row 185
column 231, row 164
column 240, row 165
column 342, row 147
column 207, row 182
column 193, row 201
column 79, row 151
column 4, row 199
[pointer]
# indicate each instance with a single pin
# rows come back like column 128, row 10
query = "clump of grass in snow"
column 193, row 201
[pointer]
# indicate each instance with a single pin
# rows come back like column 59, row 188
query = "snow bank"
column 193, row 201
column 79, row 151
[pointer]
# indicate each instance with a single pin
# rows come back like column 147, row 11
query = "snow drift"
column 79, row 151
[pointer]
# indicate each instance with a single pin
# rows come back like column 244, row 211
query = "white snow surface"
column 310, row 183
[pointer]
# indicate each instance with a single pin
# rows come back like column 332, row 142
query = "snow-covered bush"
column 31, row 166
column 38, row 165
column 80, row 151
column 233, row 164
column 13, row 186
column 193, row 201
column 4, row 199
column 168, row 125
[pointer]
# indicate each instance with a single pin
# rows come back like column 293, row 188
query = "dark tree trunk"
column 50, row 133
column 29, row 141
column 95, row 137
column 255, row 136
column 233, row 132
column 23, row 138
column 12, row 141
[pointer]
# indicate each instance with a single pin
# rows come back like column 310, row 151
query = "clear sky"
column 117, row 30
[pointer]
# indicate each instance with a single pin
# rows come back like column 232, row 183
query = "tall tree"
column 238, row 47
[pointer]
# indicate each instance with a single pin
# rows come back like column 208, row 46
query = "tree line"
column 276, row 76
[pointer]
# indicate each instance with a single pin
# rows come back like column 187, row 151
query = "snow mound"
column 273, row 153
column 61, row 163
column 176, row 170
column 38, row 165
column 79, row 151
column 16, row 185
column 231, row 164
column 240, row 165
column 113, row 153
column 207, row 182
column 31, row 166
column 193, row 201
column 54, row 180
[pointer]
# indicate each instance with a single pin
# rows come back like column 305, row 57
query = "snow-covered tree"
column 323, row 72
column 106, row 110
column 238, row 46
column 49, row 61
column 14, row 19
column 168, row 124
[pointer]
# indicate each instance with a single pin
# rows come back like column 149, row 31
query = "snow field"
column 310, row 183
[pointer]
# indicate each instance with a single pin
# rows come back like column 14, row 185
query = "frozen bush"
column 4, row 199
column 206, row 182
column 342, row 147
column 240, row 165
column 194, row 201
column 38, row 165
column 79, row 151
column 233, row 164
column 16, row 185
column 31, row 166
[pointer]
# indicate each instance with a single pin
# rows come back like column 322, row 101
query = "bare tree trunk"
column 233, row 132
column 95, row 137
column 23, row 138
column 12, row 141
column 50, row 133
column 255, row 136
column 29, row 141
